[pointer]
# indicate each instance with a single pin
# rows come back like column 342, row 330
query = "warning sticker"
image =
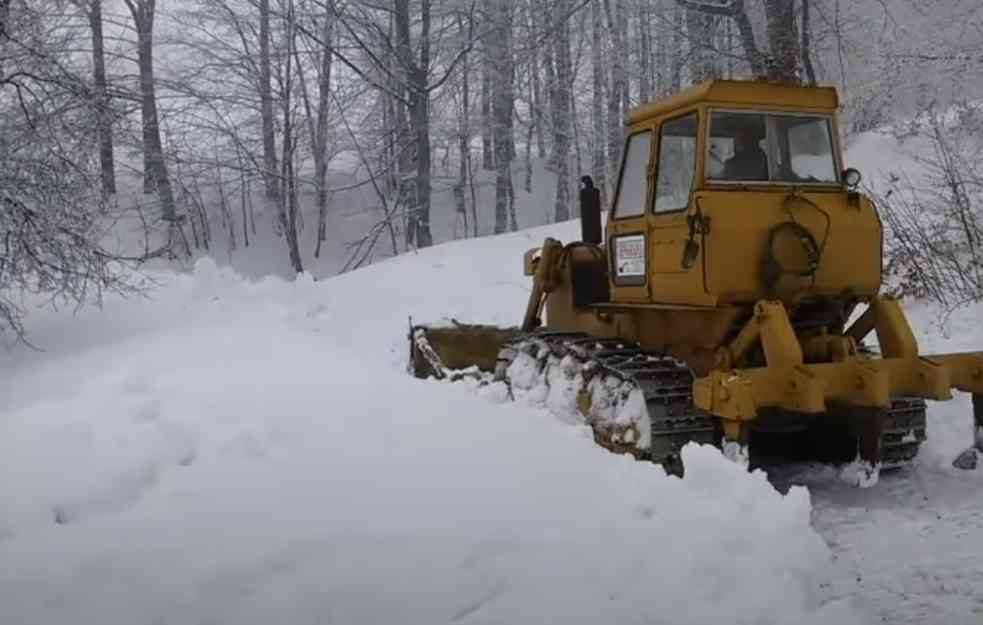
column 629, row 255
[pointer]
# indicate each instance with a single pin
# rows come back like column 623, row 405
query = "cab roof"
column 740, row 93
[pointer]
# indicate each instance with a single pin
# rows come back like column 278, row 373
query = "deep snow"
column 237, row 452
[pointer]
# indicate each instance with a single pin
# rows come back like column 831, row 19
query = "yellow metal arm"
column 859, row 380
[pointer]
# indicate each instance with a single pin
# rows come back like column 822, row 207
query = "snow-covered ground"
column 254, row 452
column 911, row 549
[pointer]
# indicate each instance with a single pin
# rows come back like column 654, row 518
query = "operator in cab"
column 749, row 161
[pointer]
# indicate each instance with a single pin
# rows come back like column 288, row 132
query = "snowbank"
column 236, row 452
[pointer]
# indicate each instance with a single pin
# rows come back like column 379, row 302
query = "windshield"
column 770, row 147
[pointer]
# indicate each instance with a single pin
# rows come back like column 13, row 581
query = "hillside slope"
column 254, row 452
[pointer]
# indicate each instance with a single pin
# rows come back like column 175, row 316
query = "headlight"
column 851, row 177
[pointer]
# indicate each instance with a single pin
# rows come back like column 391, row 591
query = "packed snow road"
column 235, row 452
column 912, row 550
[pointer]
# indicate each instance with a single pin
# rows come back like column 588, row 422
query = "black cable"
column 772, row 269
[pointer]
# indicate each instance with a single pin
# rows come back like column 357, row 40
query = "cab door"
column 628, row 227
column 676, row 222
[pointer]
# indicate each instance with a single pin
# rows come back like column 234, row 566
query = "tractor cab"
column 728, row 193
column 732, row 191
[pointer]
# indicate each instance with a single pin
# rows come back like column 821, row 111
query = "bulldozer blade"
column 440, row 351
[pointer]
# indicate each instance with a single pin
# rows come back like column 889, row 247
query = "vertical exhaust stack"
column 590, row 212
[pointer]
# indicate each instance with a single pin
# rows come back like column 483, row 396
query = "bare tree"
column 783, row 39
column 618, row 85
column 810, row 72
column 53, row 219
column 935, row 220
column 700, row 27
column 676, row 55
column 487, row 148
column 4, row 20
column 783, row 62
column 464, row 138
column 561, row 106
column 406, row 64
column 419, row 108
column 317, row 119
column 156, row 178
column 644, row 39
column 734, row 9
column 538, row 117
column 500, row 53
column 289, row 208
column 93, row 13
column 266, row 103
column 597, row 102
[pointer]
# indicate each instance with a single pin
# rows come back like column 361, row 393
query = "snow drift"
column 254, row 452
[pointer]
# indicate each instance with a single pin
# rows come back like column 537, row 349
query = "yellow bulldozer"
column 728, row 300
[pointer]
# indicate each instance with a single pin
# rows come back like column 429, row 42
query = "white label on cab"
column 629, row 255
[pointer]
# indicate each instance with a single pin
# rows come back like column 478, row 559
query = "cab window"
column 633, row 182
column 677, row 163
column 770, row 147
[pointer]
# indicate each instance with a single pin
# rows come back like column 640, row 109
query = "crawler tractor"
column 728, row 301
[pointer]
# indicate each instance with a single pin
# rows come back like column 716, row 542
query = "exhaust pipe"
column 590, row 212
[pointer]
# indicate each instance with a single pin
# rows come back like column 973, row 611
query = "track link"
column 666, row 386
column 904, row 431
column 905, row 426
column 610, row 370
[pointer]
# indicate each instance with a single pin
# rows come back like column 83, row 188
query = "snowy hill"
column 239, row 452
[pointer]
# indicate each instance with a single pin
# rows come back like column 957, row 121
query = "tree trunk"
column 487, row 156
column 806, row 45
column 561, row 108
column 419, row 99
column 699, row 32
column 661, row 61
column 156, row 178
column 266, row 103
column 615, row 117
column 644, row 34
column 537, row 88
column 244, row 196
column 422, row 122
column 729, row 46
column 622, row 57
column 463, row 135
column 288, row 201
column 783, row 40
column 676, row 61
column 549, row 68
column 502, row 102
column 600, row 165
column 321, row 132
column 105, row 124
column 779, row 11
column 4, row 21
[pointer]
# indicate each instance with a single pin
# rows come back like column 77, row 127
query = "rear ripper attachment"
column 879, row 399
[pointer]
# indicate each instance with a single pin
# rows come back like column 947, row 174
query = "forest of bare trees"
column 208, row 116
